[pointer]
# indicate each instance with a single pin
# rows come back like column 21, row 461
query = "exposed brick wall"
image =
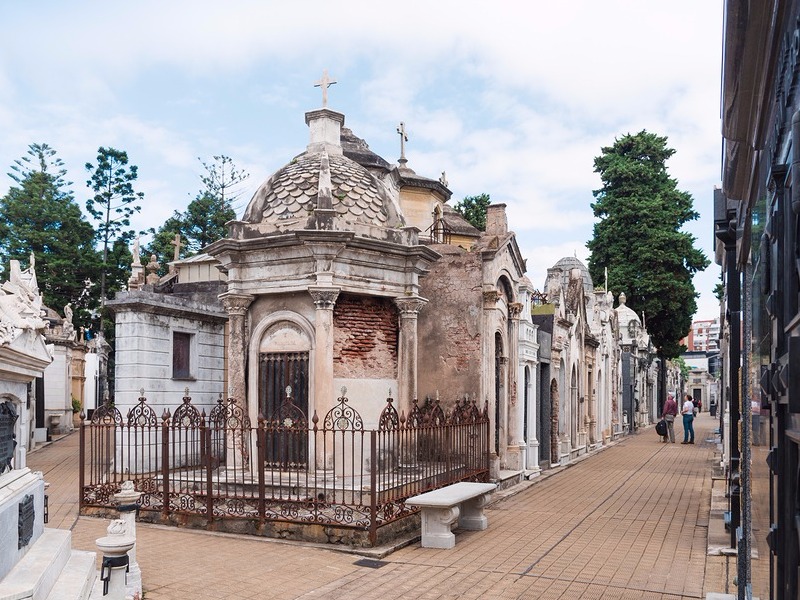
column 365, row 337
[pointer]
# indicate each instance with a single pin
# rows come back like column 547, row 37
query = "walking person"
column 668, row 414
column 688, row 420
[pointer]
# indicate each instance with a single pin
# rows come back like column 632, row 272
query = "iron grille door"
column 283, row 401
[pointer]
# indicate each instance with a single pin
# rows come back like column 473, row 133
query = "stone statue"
column 137, row 261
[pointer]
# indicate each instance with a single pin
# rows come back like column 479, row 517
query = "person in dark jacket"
column 668, row 414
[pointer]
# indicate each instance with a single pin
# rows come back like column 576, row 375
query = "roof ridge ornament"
column 325, row 82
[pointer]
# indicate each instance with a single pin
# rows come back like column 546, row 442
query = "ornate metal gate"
column 283, row 403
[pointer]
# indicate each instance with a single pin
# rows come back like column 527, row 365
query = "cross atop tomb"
column 325, row 83
column 177, row 243
column 401, row 129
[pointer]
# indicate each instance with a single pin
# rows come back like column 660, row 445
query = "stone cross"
column 325, row 83
column 403, row 139
column 177, row 243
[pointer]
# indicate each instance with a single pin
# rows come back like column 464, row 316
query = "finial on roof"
column 622, row 298
column 401, row 129
column 443, row 179
column 325, row 82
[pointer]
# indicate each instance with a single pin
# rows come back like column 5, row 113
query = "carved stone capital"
column 409, row 306
column 515, row 310
column 324, row 298
column 236, row 304
column 490, row 298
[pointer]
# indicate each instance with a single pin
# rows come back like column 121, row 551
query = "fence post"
column 205, row 433
column 373, row 487
column 165, row 492
column 261, row 457
column 82, row 460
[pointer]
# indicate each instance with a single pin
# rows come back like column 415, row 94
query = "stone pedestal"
column 114, row 548
column 127, row 505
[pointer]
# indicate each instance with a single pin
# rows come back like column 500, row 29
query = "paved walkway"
column 628, row 522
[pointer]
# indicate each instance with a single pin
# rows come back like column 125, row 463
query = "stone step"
column 34, row 576
column 77, row 578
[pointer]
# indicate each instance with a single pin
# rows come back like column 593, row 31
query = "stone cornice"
column 163, row 304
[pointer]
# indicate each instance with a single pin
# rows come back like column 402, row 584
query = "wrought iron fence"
column 334, row 472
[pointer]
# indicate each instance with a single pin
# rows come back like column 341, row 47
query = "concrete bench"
column 463, row 501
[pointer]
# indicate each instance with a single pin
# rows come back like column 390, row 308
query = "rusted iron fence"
column 220, row 466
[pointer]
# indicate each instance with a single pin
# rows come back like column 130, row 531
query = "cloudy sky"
column 511, row 98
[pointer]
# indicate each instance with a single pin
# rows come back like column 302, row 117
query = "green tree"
column 473, row 209
column 222, row 180
column 112, row 206
column 638, row 238
column 39, row 215
column 204, row 220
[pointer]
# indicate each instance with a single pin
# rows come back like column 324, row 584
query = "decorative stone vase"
column 55, row 421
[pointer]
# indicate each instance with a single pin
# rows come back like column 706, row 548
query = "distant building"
column 703, row 336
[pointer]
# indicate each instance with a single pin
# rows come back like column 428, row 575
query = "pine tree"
column 204, row 220
column 112, row 207
column 39, row 215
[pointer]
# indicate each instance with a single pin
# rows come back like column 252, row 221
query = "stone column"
column 127, row 506
column 516, row 408
column 236, row 307
column 324, row 395
column 409, row 307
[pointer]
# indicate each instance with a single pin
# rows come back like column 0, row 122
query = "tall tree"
column 638, row 238
column 222, row 180
column 39, row 215
column 204, row 220
column 112, row 206
column 473, row 209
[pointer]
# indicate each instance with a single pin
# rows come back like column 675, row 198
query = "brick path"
column 628, row 522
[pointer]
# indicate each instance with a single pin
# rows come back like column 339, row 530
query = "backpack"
column 661, row 428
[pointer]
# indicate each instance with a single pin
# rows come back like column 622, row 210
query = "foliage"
column 638, row 237
column 473, row 209
column 222, row 180
column 204, row 220
column 39, row 216
column 112, row 206
column 684, row 368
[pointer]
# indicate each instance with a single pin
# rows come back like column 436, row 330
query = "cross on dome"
column 325, row 82
column 401, row 129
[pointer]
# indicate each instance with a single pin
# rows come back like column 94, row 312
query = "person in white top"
column 688, row 419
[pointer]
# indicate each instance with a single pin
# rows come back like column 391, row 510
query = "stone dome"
column 324, row 189
column 566, row 265
column 291, row 194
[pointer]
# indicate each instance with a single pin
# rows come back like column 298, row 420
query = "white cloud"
column 515, row 99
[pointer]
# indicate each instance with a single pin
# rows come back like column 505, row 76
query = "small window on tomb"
column 181, row 355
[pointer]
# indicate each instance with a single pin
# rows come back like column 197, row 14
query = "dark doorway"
column 283, row 402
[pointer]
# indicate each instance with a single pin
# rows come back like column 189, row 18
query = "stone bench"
column 463, row 501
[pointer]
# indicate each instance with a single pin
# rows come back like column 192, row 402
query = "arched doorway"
column 283, row 382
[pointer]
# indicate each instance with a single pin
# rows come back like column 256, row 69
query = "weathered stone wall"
column 449, row 327
column 365, row 337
